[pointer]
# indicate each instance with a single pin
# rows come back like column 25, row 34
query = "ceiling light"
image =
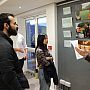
column 19, row 6
column 2, row 1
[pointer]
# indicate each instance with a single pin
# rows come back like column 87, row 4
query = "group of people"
column 13, row 53
column 11, row 59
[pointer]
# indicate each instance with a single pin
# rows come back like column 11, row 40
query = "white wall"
column 51, row 25
column 51, row 30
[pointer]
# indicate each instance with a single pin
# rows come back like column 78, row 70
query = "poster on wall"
column 84, row 12
column 67, row 43
column 66, row 10
column 67, row 33
column 83, row 30
column 67, row 22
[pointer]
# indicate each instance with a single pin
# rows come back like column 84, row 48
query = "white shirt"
column 19, row 42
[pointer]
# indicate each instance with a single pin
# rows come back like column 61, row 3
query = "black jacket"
column 8, row 64
column 50, row 72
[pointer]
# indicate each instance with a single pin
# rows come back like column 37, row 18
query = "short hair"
column 4, row 18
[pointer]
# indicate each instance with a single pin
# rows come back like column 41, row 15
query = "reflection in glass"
column 31, row 61
column 30, row 38
column 30, row 35
column 30, row 31
column 42, row 25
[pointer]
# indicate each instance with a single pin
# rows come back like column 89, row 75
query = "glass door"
column 33, row 28
column 42, row 25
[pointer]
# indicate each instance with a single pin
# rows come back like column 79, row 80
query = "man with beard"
column 8, row 57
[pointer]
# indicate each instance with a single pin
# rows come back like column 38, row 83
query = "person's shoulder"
column 20, row 35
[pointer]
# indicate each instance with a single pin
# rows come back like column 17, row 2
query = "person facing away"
column 45, row 63
column 8, row 57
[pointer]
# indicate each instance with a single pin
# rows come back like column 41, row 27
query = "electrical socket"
column 62, row 81
column 68, row 84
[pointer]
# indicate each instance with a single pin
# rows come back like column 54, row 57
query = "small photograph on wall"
column 67, row 43
column 67, row 22
column 84, row 12
column 83, row 30
column 67, row 34
column 66, row 10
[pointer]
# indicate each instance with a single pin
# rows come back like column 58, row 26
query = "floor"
column 34, row 83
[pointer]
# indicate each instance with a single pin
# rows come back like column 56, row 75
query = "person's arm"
column 19, row 50
column 82, row 52
column 41, row 58
column 26, row 53
column 49, row 56
column 25, row 48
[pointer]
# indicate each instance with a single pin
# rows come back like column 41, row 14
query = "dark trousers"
column 21, row 63
column 21, row 77
column 8, row 81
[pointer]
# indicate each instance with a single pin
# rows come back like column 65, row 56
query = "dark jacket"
column 50, row 72
column 47, row 66
column 8, row 64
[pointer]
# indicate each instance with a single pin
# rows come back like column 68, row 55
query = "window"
column 33, row 28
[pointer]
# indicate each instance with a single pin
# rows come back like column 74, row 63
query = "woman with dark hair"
column 45, row 63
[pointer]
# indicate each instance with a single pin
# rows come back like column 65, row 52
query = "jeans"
column 42, row 82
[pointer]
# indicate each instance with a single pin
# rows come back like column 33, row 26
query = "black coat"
column 50, row 72
column 8, row 64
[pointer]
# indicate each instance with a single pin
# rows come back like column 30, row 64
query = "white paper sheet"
column 66, row 10
column 67, row 22
column 67, row 43
column 67, row 33
column 75, row 44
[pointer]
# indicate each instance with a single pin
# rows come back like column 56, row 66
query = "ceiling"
column 12, row 6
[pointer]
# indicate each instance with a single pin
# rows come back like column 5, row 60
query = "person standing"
column 21, row 50
column 45, row 63
column 8, row 57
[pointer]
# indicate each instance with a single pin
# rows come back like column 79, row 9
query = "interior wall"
column 51, row 30
column 77, row 72
column 49, row 10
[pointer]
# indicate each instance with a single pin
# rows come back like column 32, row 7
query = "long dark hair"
column 40, row 44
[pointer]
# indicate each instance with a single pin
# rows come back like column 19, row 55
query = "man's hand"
column 19, row 50
column 49, row 58
column 81, row 52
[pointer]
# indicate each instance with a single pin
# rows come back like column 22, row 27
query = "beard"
column 11, row 31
